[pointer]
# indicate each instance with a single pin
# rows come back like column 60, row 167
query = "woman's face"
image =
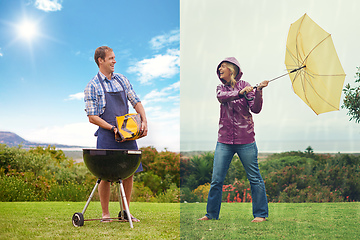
column 225, row 72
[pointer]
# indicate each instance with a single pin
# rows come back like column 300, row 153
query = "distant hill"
column 12, row 139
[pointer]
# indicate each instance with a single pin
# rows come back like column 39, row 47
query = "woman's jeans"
column 248, row 155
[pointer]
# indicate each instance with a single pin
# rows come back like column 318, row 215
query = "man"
column 107, row 96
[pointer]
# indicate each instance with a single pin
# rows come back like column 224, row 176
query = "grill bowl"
column 112, row 164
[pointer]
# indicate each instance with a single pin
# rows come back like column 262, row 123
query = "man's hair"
column 100, row 52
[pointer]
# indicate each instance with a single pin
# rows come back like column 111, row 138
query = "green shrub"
column 21, row 160
column 289, row 161
column 141, row 193
column 41, row 174
column 69, row 192
column 202, row 192
column 291, row 194
column 186, row 195
column 15, row 186
column 13, row 189
column 162, row 164
column 150, row 180
column 171, row 195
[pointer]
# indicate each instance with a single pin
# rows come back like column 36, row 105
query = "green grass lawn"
column 286, row 221
column 52, row 220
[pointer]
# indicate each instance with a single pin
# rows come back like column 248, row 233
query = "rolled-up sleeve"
column 130, row 93
column 91, row 101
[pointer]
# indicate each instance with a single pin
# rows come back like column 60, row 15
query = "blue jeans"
column 248, row 155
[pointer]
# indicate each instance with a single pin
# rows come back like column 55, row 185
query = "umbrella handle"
column 249, row 99
column 246, row 97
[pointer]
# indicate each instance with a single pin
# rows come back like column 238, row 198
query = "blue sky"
column 44, row 72
column 255, row 32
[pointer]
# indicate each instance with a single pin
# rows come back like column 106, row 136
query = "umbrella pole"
column 297, row 69
column 279, row 77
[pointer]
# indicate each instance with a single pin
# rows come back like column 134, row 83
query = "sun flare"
column 27, row 30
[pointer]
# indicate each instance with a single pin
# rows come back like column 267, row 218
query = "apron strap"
column 116, row 78
column 101, row 82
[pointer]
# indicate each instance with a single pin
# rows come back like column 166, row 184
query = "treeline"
column 289, row 177
column 46, row 174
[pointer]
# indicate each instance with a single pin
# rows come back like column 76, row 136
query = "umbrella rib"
column 301, row 71
column 295, row 60
column 332, row 75
column 315, row 47
column 296, row 45
column 308, row 102
column 293, row 57
column 306, row 73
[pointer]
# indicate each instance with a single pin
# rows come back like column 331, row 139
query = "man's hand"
column 117, row 136
column 143, row 129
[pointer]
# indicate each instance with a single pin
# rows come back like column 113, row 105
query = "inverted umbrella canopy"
column 314, row 67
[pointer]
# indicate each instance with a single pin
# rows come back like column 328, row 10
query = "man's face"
column 108, row 64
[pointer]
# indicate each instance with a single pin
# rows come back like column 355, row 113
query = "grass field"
column 52, row 220
column 286, row 221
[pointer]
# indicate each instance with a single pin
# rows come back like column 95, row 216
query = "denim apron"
column 116, row 105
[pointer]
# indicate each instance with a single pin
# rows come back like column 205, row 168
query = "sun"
column 27, row 30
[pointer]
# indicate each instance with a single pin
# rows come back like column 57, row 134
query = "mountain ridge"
column 12, row 139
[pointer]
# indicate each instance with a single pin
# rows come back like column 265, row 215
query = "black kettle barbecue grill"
column 112, row 165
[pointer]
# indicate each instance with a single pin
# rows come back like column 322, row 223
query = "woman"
column 236, row 135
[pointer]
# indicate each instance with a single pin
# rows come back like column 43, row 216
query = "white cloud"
column 166, row 94
column 81, row 133
column 76, row 96
column 1, row 54
column 164, row 130
column 48, row 5
column 165, row 40
column 163, row 119
column 160, row 66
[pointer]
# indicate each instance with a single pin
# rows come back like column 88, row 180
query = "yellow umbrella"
column 313, row 66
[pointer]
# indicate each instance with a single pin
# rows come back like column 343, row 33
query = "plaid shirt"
column 94, row 94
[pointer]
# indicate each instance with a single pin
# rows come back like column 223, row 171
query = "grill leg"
column 125, row 202
column 91, row 196
column 120, row 201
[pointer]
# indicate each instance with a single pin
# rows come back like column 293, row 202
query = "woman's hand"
column 263, row 84
column 246, row 89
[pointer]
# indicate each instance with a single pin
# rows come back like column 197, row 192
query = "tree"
column 309, row 150
column 352, row 99
column 202, row 168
